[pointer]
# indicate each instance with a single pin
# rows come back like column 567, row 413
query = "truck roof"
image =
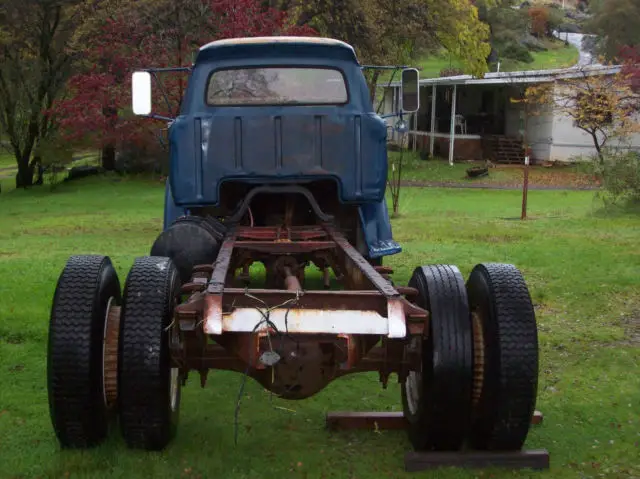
column 275, row 44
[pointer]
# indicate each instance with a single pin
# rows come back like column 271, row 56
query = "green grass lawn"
column 6, row 161
column 558, row 55
column 437, row 170
column 581, row 264
column 8, row 167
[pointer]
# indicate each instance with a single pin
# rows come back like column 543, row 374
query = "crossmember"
column 375, row 308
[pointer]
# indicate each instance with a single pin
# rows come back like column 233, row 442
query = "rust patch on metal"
column 271, row 233
column 407, row 291
column 110, row 373
column 415, row 328
column 282, row 246
column 203, row 268
column 195, row 286
column 368, row 300
column 213, row 300
column 383, row 269
column 221, row 266
column 478, row 358
column 375, row 278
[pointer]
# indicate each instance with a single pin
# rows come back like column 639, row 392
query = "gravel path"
column 575, row 39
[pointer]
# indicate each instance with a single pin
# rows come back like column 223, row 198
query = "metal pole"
column 527, row 154
column 432, row 138
column 525, row 187
column 452, row 129
column 415, row 130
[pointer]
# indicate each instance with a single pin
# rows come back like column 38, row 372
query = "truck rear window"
column 277, row 86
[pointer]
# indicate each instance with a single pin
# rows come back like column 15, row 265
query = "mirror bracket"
column 141, row 97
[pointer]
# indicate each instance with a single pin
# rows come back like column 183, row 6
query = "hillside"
column 558, row 55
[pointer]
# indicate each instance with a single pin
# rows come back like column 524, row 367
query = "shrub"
column 517, row 52
column 144, row 157
column 569, row 28
column 620, row 174
column 555, row 19
column 52, row 156
column 533, row 44
column 450, row 72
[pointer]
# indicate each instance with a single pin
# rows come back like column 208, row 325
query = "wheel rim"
column 104, row 350
column 174, row 373
column 478, row 357
column 412, row 388
column 413, row 385
column 173, row 387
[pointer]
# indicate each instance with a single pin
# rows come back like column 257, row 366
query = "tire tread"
column 74, row 374
column 445, row 425
column 506, row 411
column 144, row 355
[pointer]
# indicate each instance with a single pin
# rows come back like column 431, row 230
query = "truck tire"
column 86, row 288
column 500, row 301
column 437, row 400
column 148, row 386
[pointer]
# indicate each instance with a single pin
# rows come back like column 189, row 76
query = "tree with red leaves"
column 630, row 57
column 539, row 17
column 158, row 34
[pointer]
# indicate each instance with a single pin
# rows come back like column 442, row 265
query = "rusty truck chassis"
column 367, row 324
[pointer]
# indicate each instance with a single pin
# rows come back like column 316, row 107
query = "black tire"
column 189, row 241
column 441, row 413
column 75, row 381
column 498, row 295
column 148, row 416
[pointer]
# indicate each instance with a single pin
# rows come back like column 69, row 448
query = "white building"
column 477, row 117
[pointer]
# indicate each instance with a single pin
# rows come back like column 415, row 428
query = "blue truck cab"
column 277, row 111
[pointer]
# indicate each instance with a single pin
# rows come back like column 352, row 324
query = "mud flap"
column 376, row 227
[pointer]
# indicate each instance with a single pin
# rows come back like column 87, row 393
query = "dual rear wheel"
column 102, row 365
column 476, row 384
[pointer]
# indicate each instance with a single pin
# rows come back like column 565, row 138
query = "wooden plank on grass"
column 422, row 461
column 379, row 420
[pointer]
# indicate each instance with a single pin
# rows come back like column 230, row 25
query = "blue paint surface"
column 281, row 143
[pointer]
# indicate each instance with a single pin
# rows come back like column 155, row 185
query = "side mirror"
column 410, row 91
column 141, row 93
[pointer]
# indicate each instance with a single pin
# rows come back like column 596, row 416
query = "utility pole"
column 525, row 183
column 527, row 155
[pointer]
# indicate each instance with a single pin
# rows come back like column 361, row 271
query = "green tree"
column 616, row 24
column 508, row 26
column 384, row 32
column 602, row 105
column 36, row 58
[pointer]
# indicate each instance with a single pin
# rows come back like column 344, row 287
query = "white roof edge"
column 531, row 76
column 276, row 39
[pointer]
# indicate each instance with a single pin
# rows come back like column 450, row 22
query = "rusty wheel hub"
column 478, row 357
column 110, row 354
